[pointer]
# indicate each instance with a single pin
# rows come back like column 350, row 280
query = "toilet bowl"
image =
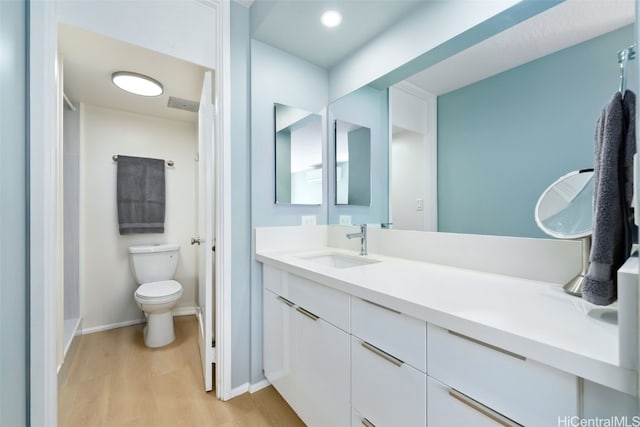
column 157, row 300
column 154, row 267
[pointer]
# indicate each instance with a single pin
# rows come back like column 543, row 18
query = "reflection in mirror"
column 298, row 148
column 565, row 209
column 353, row 164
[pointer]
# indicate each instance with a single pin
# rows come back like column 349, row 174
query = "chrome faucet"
column 363, row 238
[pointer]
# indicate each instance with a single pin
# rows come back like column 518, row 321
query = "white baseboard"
column 251, row 388
column 259, row 385
column 242, row 389
column 178, row 311
column 184, row 311
column 101, row 328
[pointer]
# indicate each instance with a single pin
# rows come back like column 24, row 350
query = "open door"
column 205, row 213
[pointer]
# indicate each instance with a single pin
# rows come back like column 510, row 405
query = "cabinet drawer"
column 525, row 391
column 272, row 279
column 386, row 393
column 325, row 302
column 403, row 336
column 447, row 408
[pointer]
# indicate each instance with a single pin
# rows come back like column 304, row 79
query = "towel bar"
column 169, row 162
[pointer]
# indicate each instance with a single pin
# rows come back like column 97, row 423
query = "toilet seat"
column 158, row 292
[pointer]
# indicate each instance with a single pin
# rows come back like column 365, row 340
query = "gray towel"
column 141, row 195
column 613, row 184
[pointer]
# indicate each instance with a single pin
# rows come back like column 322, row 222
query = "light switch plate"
column 345, row 219
column 419, row 205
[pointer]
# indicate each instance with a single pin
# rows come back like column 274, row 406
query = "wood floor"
column 114, row 380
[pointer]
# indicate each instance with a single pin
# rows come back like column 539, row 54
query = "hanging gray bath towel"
column 141, row 195
column 613, row 189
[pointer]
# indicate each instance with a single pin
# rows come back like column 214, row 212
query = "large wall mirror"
column 353, row 164
column 508, row 120
column 298, row 148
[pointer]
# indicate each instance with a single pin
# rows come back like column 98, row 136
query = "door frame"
column 43, row 21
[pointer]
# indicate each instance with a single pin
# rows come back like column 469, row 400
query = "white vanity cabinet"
column 492, row 381
column 307, row 357
column 388, row 364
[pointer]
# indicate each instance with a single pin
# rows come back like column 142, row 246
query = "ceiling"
column 89, row 60
column 564, row 25
column 294, row 25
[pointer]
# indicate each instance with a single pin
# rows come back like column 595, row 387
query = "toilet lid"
column 160, row 289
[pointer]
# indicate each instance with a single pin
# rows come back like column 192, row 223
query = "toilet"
column 154, row 267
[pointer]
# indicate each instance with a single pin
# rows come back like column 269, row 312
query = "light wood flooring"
column 114, row 380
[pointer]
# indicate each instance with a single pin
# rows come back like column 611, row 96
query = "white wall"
column 106, row 278
column 408, row 180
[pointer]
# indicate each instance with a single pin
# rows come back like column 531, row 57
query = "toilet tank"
column 152, row 263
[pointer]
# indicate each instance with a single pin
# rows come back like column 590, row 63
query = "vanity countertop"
column 535, row 319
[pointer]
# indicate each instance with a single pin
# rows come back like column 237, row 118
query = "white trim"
column 431, row 142
column 259, row 385
column 223, row 202
column 413, row 89
column 241, row 389
column 187, row 310
column 42, row 213
column 94, row 329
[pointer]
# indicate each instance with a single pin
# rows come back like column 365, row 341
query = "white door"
column 206, row 229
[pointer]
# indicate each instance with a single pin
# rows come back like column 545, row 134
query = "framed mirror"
column 353, row 164
column 298, row 156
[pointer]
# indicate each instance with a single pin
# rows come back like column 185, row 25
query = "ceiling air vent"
column 183, row 104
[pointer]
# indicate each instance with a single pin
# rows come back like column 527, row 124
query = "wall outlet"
column 345, row 219
column 419, row 205
column 308, row 219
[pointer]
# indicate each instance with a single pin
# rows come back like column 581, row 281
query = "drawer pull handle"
column 381, row 306
column 479, row 407
column 386, row 356
column 309, row 314
column 484, row 344
column 367, row 423
column 286, row 301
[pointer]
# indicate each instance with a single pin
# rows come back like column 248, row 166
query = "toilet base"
column 159, row 330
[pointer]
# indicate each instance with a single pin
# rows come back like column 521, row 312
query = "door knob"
column 195, row 241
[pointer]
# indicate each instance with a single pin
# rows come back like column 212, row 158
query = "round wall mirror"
column 565, row 211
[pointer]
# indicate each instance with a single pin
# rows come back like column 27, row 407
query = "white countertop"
column 535, row 319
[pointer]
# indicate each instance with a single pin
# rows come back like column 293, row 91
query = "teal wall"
column 503, row 140
column 359, row 166
column 14, row 278
column 276, row 77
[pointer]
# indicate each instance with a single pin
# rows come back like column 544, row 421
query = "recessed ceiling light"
column 331, row 18
column 137, row 83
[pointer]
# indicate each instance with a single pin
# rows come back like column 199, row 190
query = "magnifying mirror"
column 565, row 211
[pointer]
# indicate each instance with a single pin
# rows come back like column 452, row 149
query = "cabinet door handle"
column 286, row 301
column 381, row 306
column 484, row 344
column 367, row 423
column 386, row 356
column 479, row 407
column 309, row 314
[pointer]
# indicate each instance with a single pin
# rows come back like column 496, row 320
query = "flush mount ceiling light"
column 331, row 18
column 137, row 83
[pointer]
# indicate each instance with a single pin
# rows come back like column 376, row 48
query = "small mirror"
column 565, row 209
column 353, row 164
column 298, row 148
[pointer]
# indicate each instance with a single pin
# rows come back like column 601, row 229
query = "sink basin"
column 339, row 260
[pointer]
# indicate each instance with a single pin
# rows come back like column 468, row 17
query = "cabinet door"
column 386, row 392
column 322, row 372
column 279, row 343
column 448, row 408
